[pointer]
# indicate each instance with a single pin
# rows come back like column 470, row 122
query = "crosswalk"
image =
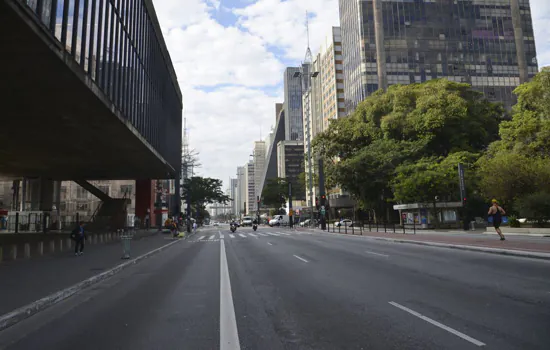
column 246, row 235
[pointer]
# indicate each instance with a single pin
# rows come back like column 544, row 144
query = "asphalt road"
column 278, row 289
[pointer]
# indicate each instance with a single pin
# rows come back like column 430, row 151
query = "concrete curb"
column 18, row 315
column 509, row 252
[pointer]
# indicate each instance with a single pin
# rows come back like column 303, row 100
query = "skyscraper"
column 259, row 165
column 294, row 129
column 242, row 191
column 486, row 43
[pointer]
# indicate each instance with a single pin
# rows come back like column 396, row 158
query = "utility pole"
column 290, row 214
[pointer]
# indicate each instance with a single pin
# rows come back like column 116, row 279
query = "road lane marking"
column 269, row 243
column 262, row 234
column 229, row 336
column 212, row 237
column 272, row 234
column 231, row 235
column 297, row 257
column 201, row 237
column 283, row 233
column 243, row 236
column 373, row 253
column 253, row 235
column 437, row 324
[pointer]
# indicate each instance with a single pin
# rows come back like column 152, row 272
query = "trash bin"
column 126, row 240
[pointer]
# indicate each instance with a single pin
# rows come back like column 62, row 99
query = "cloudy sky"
column 230, row 55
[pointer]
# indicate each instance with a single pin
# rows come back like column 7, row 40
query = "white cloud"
column 174, row 13
column 208, row 54
column 283, row 23
column 225, row 123
column 540, row 12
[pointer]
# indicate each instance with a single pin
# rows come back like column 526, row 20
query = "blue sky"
column 230, row 55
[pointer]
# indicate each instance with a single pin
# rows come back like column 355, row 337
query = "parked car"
column 345, row 222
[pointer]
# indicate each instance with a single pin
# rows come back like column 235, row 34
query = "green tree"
column 408, row 123
column 535, row 206
column 275, row 192
column 204, row 190
column 517, row 165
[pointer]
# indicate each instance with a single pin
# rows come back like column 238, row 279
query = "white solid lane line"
column 229, row 336
column 221, row 234
column 243, row 236
column 373, row 253
column 297, row 257
column 437, row 324
column 212, row 237
column 201, row 237
column 269, row 243
column 231, row 235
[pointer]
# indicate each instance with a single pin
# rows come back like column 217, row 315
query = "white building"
column 250, row 188
column 241, row 190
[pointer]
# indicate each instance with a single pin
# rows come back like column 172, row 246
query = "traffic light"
column 323, row 200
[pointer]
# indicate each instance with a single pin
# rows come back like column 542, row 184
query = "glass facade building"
column 294, row 127
column 486, row 43
column 119, row 46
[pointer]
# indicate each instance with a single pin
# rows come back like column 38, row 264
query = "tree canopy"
column 517, row 166
column 275, row 192
column 402, row 144
column 203, row 190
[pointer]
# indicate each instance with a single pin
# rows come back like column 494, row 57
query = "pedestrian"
column 497, row 212
column 79, row 236
column 195, row 227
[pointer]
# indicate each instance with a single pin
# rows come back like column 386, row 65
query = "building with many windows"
column 293, row 104
column 486, row 43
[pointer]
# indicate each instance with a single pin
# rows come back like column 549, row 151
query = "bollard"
column 52, row 246
column 60, row 245
column 345, row 228
column 369, row 225
column 385, row 231
column 352, row 229
column 40, row 248
column 13, row 252
column 126, row 240
column 27, row 251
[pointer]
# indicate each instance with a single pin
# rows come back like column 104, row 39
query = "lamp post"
column 309, row 75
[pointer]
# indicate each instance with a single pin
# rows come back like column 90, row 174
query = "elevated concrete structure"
column 85, row 111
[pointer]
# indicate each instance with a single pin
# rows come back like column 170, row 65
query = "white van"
column 279, row 220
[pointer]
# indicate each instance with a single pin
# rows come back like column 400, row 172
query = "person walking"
column 79, row 236
column 497, row 212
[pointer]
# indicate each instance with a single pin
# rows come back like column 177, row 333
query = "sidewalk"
column 458, row 239
column 26, row 281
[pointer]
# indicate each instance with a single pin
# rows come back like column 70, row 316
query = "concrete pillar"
column 518, row 37
column 52, row 246
column 40, row 248
column 379, row 40
column 145, row 200
column 13, row 252
column 27, row 251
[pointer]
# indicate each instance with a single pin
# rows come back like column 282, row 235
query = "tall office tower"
column 486, row 43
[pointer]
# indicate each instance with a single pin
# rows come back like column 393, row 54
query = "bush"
column 535, row 207
column 513, row 221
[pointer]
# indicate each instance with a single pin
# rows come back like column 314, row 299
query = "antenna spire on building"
column 309, row 56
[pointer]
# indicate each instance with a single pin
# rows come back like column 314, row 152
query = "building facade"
column 241, row 190
column 250, row 189
column 290, row 165
column 259, row 165
column 233, row 194
column 293, row 104
column 486, row 43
